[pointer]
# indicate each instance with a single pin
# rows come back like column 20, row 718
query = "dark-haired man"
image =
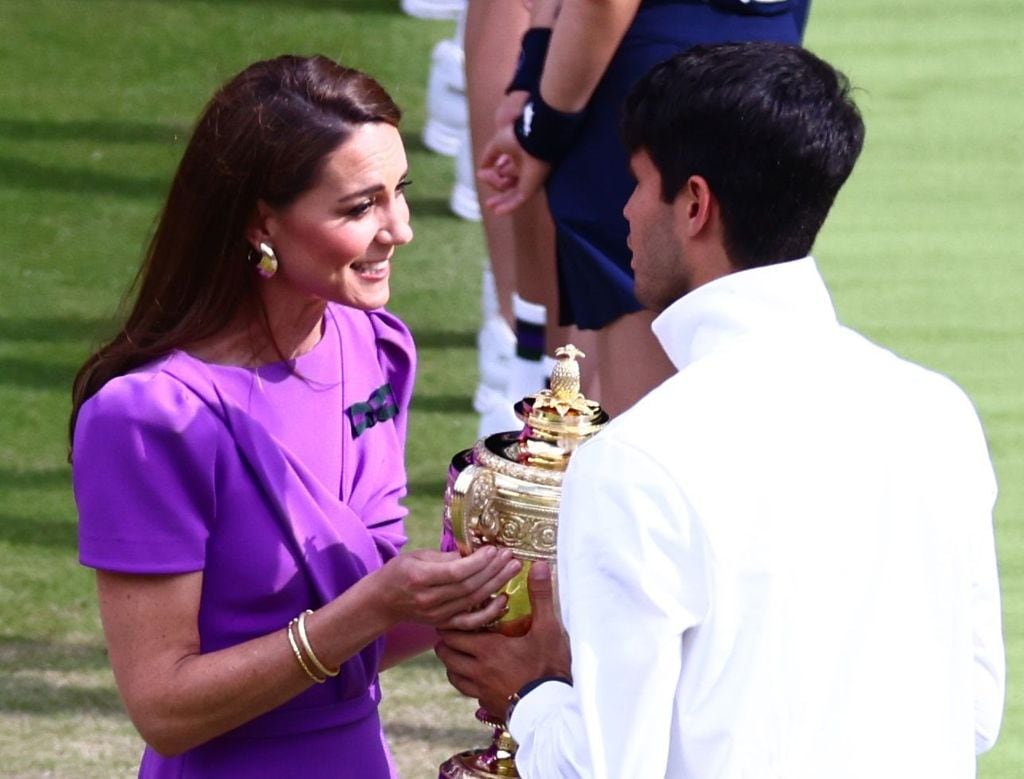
column 780, row 562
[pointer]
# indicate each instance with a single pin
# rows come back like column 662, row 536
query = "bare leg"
column 521, row 246
column 492, row 34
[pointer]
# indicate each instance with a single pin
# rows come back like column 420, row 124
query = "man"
column 780, row 562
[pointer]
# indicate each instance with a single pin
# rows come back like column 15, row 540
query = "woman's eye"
column 402, row 186
column 360, row 208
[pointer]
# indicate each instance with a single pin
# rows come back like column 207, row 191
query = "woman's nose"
column 398, row 229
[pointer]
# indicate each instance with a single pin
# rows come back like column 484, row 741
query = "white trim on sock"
column 532, row 313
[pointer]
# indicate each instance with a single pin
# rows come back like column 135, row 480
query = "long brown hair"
column 263, row 136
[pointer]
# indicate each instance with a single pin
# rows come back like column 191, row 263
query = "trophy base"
column 477, row 764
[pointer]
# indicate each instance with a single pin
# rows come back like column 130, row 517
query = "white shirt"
column 780, row 563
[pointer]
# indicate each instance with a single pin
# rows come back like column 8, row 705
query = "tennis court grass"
column 922, row 253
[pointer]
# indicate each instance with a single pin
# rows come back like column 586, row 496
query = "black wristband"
column 532, row 53
column 515, row 697
column 545, row 132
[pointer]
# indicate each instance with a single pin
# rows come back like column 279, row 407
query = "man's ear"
column 258, row 229
column 694, row 207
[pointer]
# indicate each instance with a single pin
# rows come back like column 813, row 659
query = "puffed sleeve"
column 396, row 353
column 144, row 456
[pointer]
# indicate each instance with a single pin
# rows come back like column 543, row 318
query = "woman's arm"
column 179, row 698
column 406, row 641
column 585, row 36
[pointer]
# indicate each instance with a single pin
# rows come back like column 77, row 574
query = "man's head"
column 767, row 132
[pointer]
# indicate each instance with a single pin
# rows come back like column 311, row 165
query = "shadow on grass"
column 432, row 734
column 443, row 339
column 371, row 7
column 429, row 207
column 32, row 695
column 34, row 678
column 56, row 375
column 101, row 130
column 31, row 654
column 427, row 487
column 55, row 328
column 31, row 531
column 34, row 479
column 25, row 175
column 435, row 404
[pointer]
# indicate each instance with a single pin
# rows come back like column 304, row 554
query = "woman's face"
column 335, row 242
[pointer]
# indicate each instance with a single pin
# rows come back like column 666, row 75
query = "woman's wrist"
column 532, row 52
column 545, row 132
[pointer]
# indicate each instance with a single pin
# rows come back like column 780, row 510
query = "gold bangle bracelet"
column 304, row 638
column 298, row 654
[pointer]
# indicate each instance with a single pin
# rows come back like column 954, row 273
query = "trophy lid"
column 559, row 419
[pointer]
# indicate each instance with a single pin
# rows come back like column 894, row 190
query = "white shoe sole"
column 447, row 113
column 434, row 9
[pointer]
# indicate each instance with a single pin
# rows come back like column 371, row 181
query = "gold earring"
column 267, row 264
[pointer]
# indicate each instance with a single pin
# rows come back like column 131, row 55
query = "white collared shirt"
column 780, row 563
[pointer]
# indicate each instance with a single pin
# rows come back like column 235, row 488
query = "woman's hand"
column 509, row 108
column 507, row 168
column 445, row 590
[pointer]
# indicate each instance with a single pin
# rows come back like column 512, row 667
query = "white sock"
column 528, row 369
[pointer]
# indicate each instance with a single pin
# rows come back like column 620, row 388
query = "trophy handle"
column 463, row 506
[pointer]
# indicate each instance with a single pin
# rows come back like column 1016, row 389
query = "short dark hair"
column 772, row 129
column 263, row 136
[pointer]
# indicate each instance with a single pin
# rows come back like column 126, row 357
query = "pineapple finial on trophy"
column 565, row 376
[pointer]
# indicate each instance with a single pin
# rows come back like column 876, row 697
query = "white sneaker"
column 496, row 412
column 464, row 202
column 496, row 344
column 447, row 112
column 496, row 349
column 433, row 9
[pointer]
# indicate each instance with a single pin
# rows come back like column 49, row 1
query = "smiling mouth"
column 375, row 268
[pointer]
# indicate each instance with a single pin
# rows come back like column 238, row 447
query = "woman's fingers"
column 492, row 610
column 467, row 594
column 437, row 586
column 505, row 203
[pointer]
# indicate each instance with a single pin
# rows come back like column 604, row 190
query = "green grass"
column 922, row 253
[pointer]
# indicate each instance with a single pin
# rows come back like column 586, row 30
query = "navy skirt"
column 589, row 188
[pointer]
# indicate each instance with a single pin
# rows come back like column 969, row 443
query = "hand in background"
column 509, row 108
column 515, row 175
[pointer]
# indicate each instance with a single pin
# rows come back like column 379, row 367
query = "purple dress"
column 283, row 486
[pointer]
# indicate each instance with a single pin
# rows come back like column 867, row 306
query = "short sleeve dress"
column 283, row 485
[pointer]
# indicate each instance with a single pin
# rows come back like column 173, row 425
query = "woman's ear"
column 258, row 229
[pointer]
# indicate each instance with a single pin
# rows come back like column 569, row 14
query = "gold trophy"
column 505, row 491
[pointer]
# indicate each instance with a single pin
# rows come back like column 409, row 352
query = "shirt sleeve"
column 986, row 610
column 631, row 581
column 143, row 472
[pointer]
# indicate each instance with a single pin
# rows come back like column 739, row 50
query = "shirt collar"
column 786, row 295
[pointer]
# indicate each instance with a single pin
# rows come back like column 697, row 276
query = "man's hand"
column 490, row 667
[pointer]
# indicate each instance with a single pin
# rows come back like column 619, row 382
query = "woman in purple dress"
column 238, row 447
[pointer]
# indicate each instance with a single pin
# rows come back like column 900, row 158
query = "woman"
column 582, row 57
column 238, row 446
